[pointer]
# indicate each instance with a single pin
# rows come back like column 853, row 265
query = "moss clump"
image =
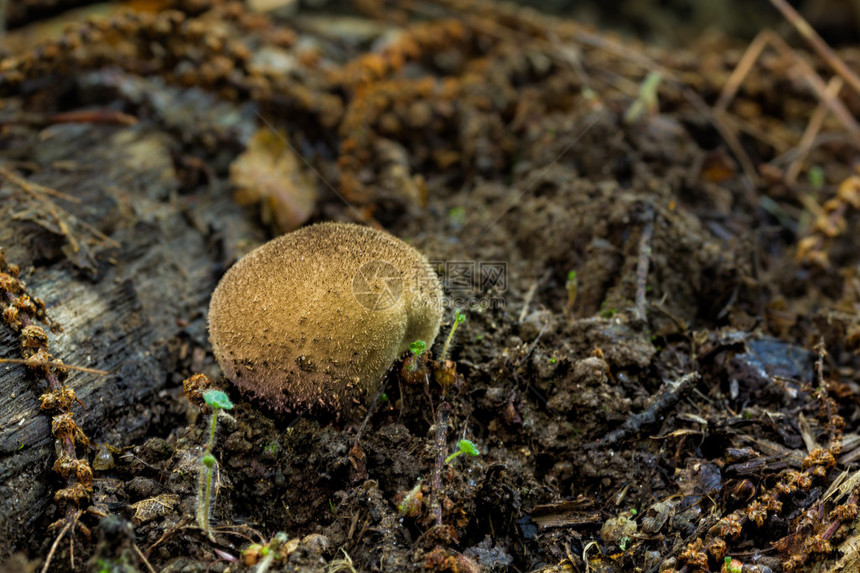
column 313, row 319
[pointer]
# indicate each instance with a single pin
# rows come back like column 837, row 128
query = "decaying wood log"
column 121, row 304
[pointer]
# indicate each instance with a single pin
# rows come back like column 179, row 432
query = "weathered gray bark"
column 159, row 278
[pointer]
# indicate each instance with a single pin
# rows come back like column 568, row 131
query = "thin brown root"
column 56, row 544
column 240, row 532
column 370, row 412
column 72, row 546
column 142, row 557
column 167, row 534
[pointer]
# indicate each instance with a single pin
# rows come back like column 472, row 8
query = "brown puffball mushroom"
column 313, row 319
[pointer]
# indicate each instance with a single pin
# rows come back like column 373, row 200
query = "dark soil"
column 658, row 364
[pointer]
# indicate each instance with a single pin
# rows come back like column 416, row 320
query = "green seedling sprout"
column 646, row 101
column 218, row 401
column 457, row 217
column 417, row 348
column 459, row 317
column 816, row 178
column 464, row 447
column 732, row 565
column 411, row 504
column 270, row 551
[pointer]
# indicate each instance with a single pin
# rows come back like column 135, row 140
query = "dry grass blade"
column 812, row 129
column 717, row 118
column 50, row 364
column 35, row 188
column 38, row 206
column 828, row 95
column 754, row 51
column 818, row 44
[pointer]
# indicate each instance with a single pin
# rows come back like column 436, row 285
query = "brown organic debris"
column 830, row 223
column 36, row 204
column 270, row 174
column 19, row 313
column 155, row 507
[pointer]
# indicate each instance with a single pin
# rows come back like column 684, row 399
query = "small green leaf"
column 208, row 460
column 417, row 347
column 459, row 316
column 464, row 447
column 816, row 177
column 468, row 447
column 457, row 217
column 732, row 565
column 217, row 399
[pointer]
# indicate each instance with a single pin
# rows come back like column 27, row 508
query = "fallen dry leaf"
column 149, row 509
column 270, row 173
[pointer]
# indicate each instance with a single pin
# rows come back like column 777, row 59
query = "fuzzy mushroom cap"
column 313, row 319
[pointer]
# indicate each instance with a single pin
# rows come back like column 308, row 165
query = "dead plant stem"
column 441, row 451
column 812, row 129
column 642, row 266
column 818, row 44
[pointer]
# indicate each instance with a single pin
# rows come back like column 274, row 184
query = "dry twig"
column 669, row 395
column 443, row 412
column 642, row 266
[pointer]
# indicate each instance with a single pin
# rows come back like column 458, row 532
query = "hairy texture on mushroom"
column 313, row 319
